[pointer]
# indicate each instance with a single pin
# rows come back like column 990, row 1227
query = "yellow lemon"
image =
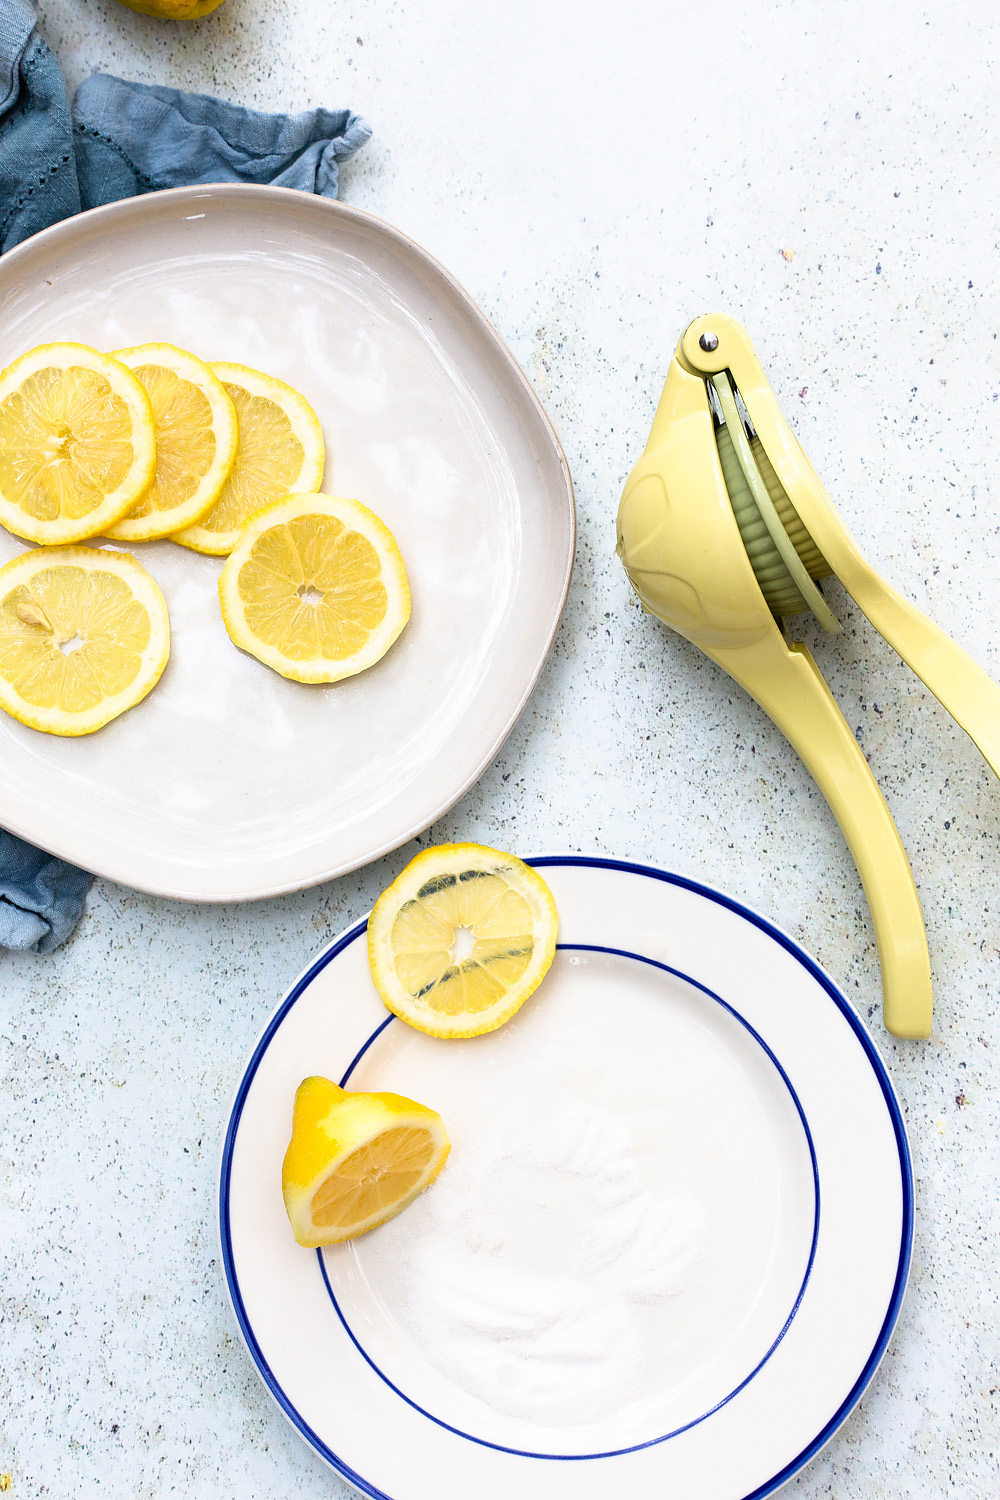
column 280, row 452
column 196, row 438
column 355, row 1160
column 315, row 588
column 84, row 635
column 461, row 938
column 173, row 10
column 77, row 446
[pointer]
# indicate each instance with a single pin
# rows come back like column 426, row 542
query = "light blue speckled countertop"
column 595, row 176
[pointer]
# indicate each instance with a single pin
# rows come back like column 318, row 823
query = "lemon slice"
column 196, row 437
column 315, row 588
column 461, row 939
column 84, row 635
column 280, row 452
column 355, row 1160
column 77, row 448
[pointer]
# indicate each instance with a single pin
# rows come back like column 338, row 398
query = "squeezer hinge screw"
column 709, row 342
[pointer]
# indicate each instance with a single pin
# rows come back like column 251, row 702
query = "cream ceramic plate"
column 665, row 1256
column 229, row 782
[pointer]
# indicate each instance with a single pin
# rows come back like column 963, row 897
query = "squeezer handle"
column 963, row 688
column 787, row 684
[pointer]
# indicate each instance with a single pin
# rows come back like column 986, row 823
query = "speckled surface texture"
column 595, row 176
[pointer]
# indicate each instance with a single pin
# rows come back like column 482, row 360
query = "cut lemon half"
column 77, row 446
column 196, row 438
column 315, row 588
column 355, row 1160
column 280, row 451
column 84, row 635
column 461, row 939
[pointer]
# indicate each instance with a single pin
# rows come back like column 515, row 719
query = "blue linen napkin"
column 41, row 897
column 125, row 138
column 118, row 140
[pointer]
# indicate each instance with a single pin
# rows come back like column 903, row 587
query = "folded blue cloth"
column 121, row 139
column 41, row 898
column 126, row 138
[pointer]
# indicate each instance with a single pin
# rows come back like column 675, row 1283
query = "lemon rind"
column 155, row 656
column 163, row 523
column 306, row 426
column 359, row 518
column 140, row 474
column 453, row 858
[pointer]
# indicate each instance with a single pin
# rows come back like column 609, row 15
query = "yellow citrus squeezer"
column 724, row 530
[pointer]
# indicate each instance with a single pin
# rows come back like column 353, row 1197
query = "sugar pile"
column 620, row 1232
column 530, row 1283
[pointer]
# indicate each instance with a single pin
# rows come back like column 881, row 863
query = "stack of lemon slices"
column 153, row 443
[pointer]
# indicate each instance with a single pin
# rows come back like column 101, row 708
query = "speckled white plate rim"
column 599, row 865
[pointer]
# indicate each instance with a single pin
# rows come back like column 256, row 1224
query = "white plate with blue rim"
column 669, row 1248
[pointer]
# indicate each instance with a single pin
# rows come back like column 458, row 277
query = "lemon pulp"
column 270, row 458
column 500, row 924
column 372, row 1178
column 67, row 442
column 196, row 441
column 76, row 443
column 315, row 588
column 83, row 636
column 280, row 449
column 184, row 446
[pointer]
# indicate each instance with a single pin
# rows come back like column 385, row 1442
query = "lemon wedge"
column 280, row 452
column 84, row 635
column 196, row 438
column 461, row 938
column 355, row 1160
column 315, row 588
column 77, row 447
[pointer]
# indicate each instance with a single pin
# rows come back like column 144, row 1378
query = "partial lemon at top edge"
column 77, row 444
column 173, row 10
column 196, row 441
column 315, row 588
column 84, row 635
column 461, row 938
column 355, row 1160
column 280, row 452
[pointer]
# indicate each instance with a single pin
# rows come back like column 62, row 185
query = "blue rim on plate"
column 868, row 1047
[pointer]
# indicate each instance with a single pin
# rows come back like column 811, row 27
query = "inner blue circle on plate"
column 662, row 1437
